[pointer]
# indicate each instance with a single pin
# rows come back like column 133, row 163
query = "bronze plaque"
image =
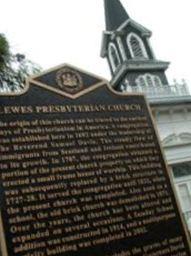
column 82, row 172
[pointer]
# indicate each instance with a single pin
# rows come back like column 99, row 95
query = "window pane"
column 136, row 48
column 141, row 81
column 114, row 57
column 182, row 169
column 149, row 81
column 157, row 81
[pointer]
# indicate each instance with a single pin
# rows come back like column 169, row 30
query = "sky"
column 52, row 32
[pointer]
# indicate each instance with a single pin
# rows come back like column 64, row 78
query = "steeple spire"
column 115, row 14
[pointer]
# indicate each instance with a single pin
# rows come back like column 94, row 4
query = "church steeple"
column 115, row 14
column 129, row 53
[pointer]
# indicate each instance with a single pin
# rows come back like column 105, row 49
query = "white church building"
column 134, row 68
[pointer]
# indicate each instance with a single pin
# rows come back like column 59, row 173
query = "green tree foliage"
column 4, row 52
column 14, row 68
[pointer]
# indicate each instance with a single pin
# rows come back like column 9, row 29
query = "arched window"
column 157, row 81
column 148, row 80
column 136, row 47
column 141, row 81
column 125, row 86
column 113, row 56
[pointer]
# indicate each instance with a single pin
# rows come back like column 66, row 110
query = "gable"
column 144, row 31
column 129, row 25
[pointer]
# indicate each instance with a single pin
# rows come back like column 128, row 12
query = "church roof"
column 115, row 14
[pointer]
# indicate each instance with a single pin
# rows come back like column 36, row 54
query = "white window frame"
column 141, row 44
column 186, row 180
column 110, row 48
column 187, row 184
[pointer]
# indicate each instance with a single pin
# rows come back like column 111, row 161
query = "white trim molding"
column 111, row 51
column 121, row 48
column 177, row 139
column 140, row 47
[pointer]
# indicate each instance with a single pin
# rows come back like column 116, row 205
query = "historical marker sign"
column 82, row 173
